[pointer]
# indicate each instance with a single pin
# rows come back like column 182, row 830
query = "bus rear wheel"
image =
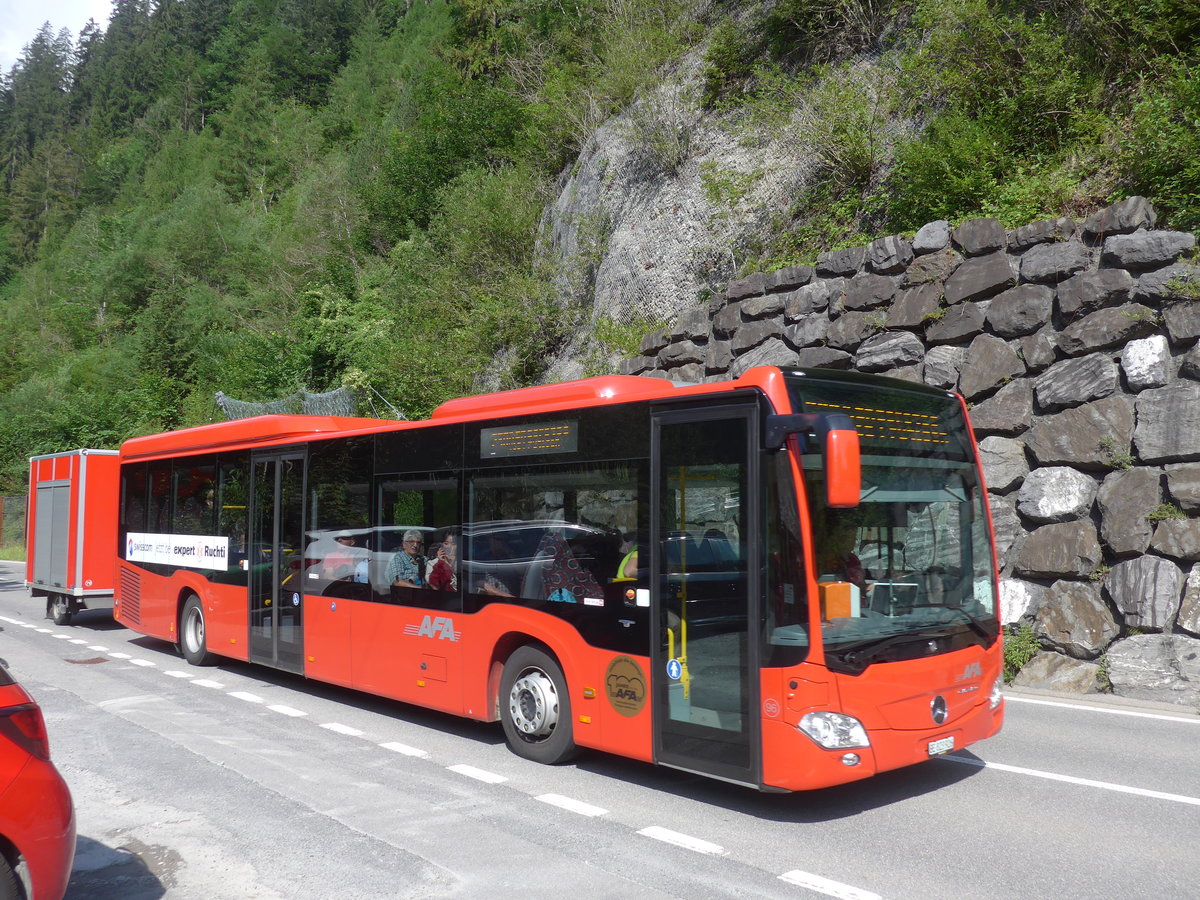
column 535, row 708
column 192, row 640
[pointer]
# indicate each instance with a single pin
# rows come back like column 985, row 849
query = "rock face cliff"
column 1076, row 347
column 665, row 200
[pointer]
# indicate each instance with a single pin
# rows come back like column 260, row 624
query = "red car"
column 37, row 817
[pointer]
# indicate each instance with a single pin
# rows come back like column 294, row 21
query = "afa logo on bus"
column 439, row 627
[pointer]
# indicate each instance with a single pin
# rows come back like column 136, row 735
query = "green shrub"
column 947, row 173
column 728, row 61
column 1020, row 646
column 1163, row 150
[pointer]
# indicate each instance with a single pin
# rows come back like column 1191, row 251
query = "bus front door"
column 705, row 576
column 275, row 552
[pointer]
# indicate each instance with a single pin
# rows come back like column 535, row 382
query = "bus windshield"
column 907, row 573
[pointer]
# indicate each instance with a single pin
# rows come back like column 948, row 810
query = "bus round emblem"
column 771, row 707
column 625, row 685
column 938, row 709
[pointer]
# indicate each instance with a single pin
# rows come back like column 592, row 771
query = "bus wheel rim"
column 533, row 704
column 194, row 632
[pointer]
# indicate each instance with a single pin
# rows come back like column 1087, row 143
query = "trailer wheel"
column 535, row 708
column 60, row 609
column 192, row 633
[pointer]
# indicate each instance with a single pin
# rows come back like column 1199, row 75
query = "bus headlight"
column 997, row 693
column 834, row 731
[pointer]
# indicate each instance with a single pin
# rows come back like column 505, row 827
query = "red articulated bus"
column 785, row 581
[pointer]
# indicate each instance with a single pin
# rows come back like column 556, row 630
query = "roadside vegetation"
column 257, row 196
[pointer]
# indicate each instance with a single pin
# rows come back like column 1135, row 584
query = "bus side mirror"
column 843, row 469
column 839, row 451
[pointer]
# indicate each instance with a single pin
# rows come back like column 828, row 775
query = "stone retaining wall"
column 1076, row 346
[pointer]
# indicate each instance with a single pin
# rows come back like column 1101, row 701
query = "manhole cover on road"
column 87, row 662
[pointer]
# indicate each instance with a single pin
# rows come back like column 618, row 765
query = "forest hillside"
column 263, row 196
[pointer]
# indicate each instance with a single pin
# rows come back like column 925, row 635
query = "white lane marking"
column 120, row 656
column 572, row 805
column 342, row 729
column 175, row 673
column 248, row 697
column 826, row 886
column 11, row 621
column 78, row 641
column 287, row 710
column 28, row 625
column 1072, row 779
column 142, row 662
column 98, row 648
column 42, row 630
column 208, row 683
column 62, row 637
column 1189, row 719
column 397, row 747
column 686, row 841
column 477, row 774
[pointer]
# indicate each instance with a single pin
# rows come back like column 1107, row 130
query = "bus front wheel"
column 535, row 708
column 192, row 633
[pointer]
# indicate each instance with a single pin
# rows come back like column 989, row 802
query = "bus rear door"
column 705, row 578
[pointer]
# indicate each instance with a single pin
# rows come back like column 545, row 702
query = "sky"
column 21, row 19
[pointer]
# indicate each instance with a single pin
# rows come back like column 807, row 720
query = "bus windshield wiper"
column 860, row 654
column 974, row 624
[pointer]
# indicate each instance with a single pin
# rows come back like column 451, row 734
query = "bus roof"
column 269, row 430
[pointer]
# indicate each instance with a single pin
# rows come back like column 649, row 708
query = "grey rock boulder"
column 1061, row 550
column 1075, row 381
column 1020, row 310
column 1168, row 423
column 1086, row 437
column 1124, row 500
column 1146, row 590
column 1056, row 494
column 1051, row 263
column 890, row 350
column 980, row 277
column 1146, row 249
column 1160, row 667
column 990, row 362
column 1004, row 463
column 1177, row 539
column 1073, row 619
column 1146, row 363
column 1055, row 672
column 979, row 236
column 1120, row 218
column 931, row 237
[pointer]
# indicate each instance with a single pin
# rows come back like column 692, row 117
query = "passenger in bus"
column 443, row 571
column 407, row 567
column 564, row 580
column 340, row 563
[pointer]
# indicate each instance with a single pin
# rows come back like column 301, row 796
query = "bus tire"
column 192, row 633
column 60, row 609
column 10, row 888
column 535, row 708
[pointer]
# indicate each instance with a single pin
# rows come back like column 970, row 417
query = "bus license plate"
column 944, row 745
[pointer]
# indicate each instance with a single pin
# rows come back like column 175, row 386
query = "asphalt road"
column 240, row 782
